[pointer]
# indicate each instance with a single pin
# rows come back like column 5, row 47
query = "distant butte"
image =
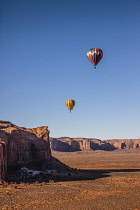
column 67, row 144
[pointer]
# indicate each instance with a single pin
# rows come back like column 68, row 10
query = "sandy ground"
column 108, row 180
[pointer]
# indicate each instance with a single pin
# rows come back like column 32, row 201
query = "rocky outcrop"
column 23, row 147
column 124, row 143
column 66, row 144
column 3, row 160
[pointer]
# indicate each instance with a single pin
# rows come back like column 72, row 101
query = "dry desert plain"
column 109, row 180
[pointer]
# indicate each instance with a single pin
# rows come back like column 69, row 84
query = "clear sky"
column 43, row 63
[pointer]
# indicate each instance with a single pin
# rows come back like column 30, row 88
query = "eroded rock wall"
column 3, row 161
column 124, row 143
column 23, row 147
column 66, row 144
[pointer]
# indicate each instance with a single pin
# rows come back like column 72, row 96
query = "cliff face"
column 3, row 160
column 124, row 143
column 66, row 144
column 23, row 147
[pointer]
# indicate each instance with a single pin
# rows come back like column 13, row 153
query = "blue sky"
column 44, row 63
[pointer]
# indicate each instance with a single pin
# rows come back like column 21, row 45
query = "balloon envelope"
column 70, row 103
column 95, row 55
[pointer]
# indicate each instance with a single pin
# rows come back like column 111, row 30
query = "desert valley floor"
column 108, row 180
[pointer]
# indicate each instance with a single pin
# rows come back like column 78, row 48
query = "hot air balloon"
column 95, row 55
column 70, row 103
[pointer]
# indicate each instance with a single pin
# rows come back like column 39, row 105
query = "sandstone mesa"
column 66, row 144
column 25, row 147
column 32, row 147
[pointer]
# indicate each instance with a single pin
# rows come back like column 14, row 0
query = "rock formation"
column 31, row 147
column 66, row 144
column 3, row 160
column 23, row 147
column 124, row 143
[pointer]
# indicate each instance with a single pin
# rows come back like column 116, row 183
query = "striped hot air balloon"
column 70, row 103
column 95, row 55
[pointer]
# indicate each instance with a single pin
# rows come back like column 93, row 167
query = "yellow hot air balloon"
column 70, row 104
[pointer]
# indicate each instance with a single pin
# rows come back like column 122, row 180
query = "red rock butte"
column 21, row 146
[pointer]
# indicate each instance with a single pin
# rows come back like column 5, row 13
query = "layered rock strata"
column 124, row 143
column 66, row 144
column 23, row 147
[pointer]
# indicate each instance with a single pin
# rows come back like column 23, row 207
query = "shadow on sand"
column 67, row 175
